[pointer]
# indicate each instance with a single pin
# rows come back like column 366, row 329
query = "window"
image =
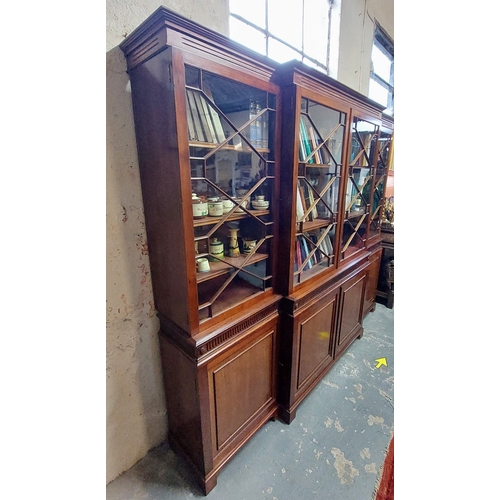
column 382, row 71
column 306, row 30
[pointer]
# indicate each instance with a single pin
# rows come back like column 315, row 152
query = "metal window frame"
column 267, row 34
column 384, row 43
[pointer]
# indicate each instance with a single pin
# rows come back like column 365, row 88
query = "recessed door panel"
column 315, row 347
column 352, row 302
column 242, row 386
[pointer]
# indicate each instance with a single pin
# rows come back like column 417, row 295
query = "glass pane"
column 381, row 64
column 321, row 135
column 286, row 27
column 231, row 147
column 378, row 93
column 360, row 184
column 192, row 77
column 316, row 30
column 247, row 36
column 353, row 234
column 254, row 11
column 384, row 149
column 384, row 145
column 281, row 53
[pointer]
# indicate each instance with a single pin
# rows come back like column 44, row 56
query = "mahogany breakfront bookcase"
column 288, row 224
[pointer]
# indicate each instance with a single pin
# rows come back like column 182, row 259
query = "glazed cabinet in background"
column 206, row 119
column 330, row 199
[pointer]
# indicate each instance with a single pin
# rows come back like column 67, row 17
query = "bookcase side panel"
column 183, row 406
column 161, row 151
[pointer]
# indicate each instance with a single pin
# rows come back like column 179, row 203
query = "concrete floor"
column 333, row 450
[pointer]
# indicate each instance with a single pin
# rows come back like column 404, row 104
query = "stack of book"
column 314, row 244
column 306, row 207
column 309, row 141
column 204, row 124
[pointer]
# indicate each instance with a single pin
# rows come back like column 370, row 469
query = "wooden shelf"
column 243, row 147
column 355, row 213
column 308, row 273
column 316, row 165
column 315, row 224
column 237, row 291
column 206, row 221
column 219, row 268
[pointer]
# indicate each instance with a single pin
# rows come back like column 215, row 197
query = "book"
column 302, row 201
column 314, row 145
column 304, row 141
column 219, row 130
column 306, row 250
column 310, row 199
column 300, row 209
column 196, row 117
column 203, row 119
column 191, row 129
column 302, row 150
column 328, row 243
column 207, row 118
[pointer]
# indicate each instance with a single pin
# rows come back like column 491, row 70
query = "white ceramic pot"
column 248, row 245
column 241, row 204
column 200, row 207
column 215, row 208
column 202, row 265
column 227, row 205
column 216, row 248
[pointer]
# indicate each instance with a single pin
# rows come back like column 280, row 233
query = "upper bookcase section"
column 305, row 77
column 165, row 28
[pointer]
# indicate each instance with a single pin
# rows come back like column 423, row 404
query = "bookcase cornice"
column 297, row 73
column 165, row 28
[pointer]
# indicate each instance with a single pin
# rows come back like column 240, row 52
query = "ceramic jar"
column 202, row 265
column 227, row 205
column 234, row 248
column 214, row 207
column 241, row 204
column 248, row 245
column 216, row 248
column 200, row 207
column 260, row 203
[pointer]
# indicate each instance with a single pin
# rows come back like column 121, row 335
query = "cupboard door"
column 359, row 186
column 315, row 330
column 352, row 294
column 321, row 133
column 242, row 388
column 307, row 346
column 232, row 170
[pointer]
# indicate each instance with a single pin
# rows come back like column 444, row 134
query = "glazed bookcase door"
column 360, row 183
column 380, row 178
column 231, row 148
column 321, row 138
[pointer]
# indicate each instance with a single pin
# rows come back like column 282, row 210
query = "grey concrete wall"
column 135, row 408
